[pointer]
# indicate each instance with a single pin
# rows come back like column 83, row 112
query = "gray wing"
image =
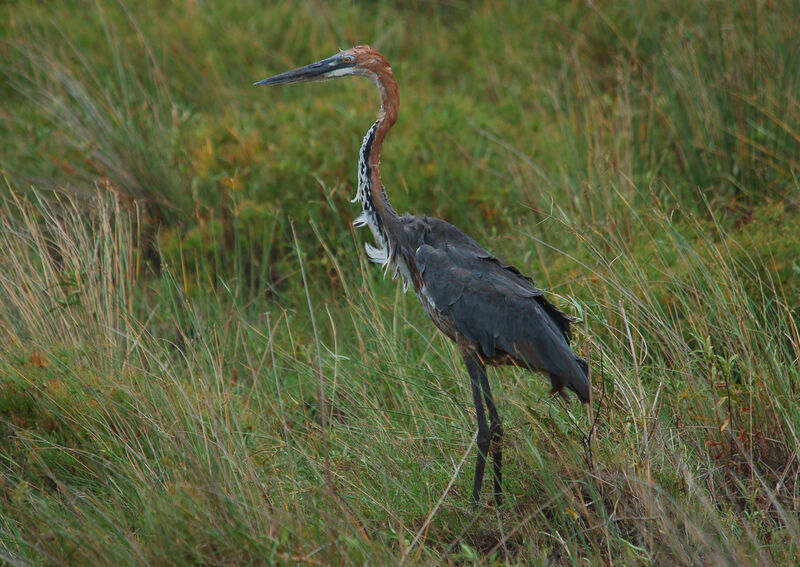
column 466, row 253
column 492, row 304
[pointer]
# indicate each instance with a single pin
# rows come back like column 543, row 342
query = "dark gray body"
column 483, row 303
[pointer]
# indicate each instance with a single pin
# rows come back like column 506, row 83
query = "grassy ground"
column 161, row 359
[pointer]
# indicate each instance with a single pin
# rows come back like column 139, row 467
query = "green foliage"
column 162, row 362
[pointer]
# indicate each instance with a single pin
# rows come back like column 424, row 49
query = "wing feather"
column 493, row 304
column 466, row 252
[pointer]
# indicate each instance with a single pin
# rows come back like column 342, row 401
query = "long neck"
column 378, row 212
column 390, row 101
column 371, row 193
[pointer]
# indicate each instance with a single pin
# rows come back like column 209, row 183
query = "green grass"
column 161, row 361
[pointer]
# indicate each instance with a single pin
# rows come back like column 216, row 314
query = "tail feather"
column 551, row 355
column 580, row 383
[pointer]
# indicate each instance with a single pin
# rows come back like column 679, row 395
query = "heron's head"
column 359, row 60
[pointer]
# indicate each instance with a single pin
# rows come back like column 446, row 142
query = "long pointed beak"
column 319, row 71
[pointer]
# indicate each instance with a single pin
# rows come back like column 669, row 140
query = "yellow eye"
column 347, row 59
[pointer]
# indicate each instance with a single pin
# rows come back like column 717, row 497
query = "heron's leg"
column 476, row 369
column 496, row 431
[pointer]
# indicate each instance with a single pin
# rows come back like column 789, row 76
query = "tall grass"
column 112, row 122
column 61, row 284
column 204, row 444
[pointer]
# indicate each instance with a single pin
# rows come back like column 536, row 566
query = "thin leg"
column 496, row 431
column 475, row 368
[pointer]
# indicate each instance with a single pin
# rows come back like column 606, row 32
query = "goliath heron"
column 494, row 313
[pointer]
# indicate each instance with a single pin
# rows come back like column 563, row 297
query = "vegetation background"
column 180, row 282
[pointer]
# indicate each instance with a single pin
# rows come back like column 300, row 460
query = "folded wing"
column 492, row 304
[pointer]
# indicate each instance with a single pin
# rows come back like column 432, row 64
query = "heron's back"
column 469, row 292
